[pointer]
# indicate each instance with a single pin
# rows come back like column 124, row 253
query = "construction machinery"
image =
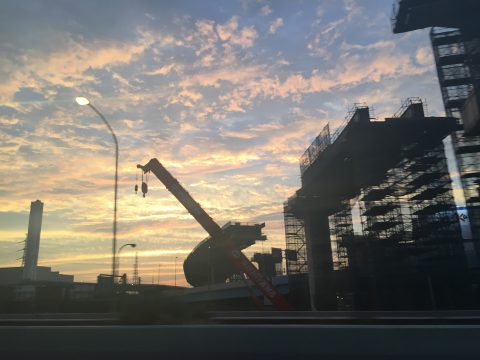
column 236, row 257
column 207, row 264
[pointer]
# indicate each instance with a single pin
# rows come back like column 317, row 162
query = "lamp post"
column 210, row 264
column 83, row 101
column 118, row 253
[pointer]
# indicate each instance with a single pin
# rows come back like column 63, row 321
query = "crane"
column 237, row 258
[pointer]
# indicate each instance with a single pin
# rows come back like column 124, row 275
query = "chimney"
column 33, row 240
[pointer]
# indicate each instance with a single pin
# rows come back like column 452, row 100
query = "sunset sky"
column 226, row 94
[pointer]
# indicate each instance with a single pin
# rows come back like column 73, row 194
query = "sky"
column 226, row 94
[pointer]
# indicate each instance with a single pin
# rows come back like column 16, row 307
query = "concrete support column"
column 320, row 262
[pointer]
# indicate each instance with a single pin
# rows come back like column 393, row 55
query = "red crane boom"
column 237, row 258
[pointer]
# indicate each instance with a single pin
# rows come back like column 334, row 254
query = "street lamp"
column 210, row 264
column 83, row 101
column 118, row 254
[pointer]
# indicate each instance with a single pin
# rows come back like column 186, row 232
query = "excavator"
column 236, row 257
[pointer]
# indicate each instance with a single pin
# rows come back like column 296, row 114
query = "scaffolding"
column 341, row 232
column 435, row 224
column 458, row 72
column 295, row 242
column 431, row 222
column 453, row 72
column 408, row 219
column 136, row 278
column 385, row 229
column 386, row 225
column 381, row 213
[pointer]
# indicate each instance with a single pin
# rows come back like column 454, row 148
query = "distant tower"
column 135, row 270
column 30, row 255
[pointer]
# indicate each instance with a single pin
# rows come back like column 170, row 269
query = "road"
column 230, row 342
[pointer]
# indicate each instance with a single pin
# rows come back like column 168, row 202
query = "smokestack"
column 33, row 240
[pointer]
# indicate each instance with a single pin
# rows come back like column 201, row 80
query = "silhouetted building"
column 455, row 38
column 14, row 276
column 270, row 264
column 380, row 223
column 32, row 243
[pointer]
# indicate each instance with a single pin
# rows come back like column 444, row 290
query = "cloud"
column 227, row 30
column 323, row 37
column 214, row 78
column 265, row 10
column 382, row 44
column 218, row 43
column 69, row 65
column 205, row 35
column 133, row 124
column 320, row 11
column 8, row 122
column 274, row 25
column 255, row 82
column 369, row 63
column 185, row 97
column 227, row 111
column 353, row 9
column 424, row 56
column 244, row 37
column 163, row 70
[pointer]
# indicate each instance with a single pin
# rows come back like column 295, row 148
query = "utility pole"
column 176, row 257
column 135, row 270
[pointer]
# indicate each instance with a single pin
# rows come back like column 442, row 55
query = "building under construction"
column 455, row 39
column 376, row 216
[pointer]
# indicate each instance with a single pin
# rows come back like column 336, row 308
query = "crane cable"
column 136, row 182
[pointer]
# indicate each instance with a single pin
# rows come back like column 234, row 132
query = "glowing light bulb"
column 82, row 100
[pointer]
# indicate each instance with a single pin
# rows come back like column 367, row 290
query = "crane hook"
column 144, row 184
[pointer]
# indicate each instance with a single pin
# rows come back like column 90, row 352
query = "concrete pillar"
column 320, row 262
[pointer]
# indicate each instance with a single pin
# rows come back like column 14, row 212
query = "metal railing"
column 319, row 144
column 406, row 104
column 325, row 139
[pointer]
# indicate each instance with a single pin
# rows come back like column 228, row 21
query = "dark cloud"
column 28, row 94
